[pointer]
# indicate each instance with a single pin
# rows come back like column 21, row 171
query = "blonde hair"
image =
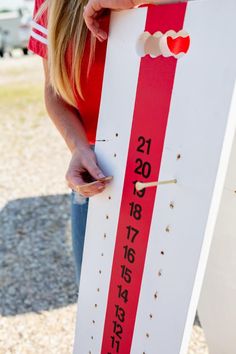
column 66, row 28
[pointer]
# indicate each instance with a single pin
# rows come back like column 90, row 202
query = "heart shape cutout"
column 178, row 45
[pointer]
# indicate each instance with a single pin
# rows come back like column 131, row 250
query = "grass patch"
column 18, row 96
column 21, row 103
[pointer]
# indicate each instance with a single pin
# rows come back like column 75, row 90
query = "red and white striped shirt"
column 91, row 85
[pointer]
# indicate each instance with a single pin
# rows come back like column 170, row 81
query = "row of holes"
column 171, row 205
column 178, row 157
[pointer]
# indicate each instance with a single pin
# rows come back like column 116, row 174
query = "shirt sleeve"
column 38, row 39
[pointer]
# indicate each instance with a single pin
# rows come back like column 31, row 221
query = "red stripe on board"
column 154, row 90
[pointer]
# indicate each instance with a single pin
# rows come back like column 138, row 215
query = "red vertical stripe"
column 155, row 85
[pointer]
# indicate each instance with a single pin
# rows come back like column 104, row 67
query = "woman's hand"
column 94, row 8
column 83, row 163
column 83, row 168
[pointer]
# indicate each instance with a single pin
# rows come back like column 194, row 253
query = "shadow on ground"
column 36, row 263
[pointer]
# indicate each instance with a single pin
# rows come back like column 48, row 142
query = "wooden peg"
column 80, row 188
column 141, row 185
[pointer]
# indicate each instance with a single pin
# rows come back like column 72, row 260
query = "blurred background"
column 37, row 282
column 15, row 18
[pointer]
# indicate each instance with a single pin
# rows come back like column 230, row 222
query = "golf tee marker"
column 141, row 185
column 163, row 120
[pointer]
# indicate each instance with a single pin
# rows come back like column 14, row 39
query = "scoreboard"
column 165, row 133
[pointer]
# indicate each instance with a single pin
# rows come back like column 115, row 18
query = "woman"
column 73, row 66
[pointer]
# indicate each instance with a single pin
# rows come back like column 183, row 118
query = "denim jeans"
column 79, row 210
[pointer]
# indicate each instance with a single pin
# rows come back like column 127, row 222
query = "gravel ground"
column 37, row 289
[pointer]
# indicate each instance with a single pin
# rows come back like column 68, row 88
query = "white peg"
column 141, row 185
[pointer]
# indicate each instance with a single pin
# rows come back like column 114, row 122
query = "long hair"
column 66, row 29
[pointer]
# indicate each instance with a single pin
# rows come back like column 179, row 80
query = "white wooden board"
column 217, row 309
column 200, row 131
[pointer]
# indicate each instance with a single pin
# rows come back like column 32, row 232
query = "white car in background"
column 15, row 25
column 24, row 31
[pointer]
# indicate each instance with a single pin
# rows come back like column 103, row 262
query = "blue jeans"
column 79, row 210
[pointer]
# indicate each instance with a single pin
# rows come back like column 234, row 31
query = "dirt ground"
column 37, row 288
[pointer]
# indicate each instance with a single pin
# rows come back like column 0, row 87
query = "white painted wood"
column 116, row 114
column 217, row 309
column 201, row 130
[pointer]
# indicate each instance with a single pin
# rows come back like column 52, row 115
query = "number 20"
column 143, row 168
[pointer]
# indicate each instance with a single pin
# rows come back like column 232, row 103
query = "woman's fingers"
column 89, row 191
column 94, row 169
column 86, row 189
column 84, row 175
column 94, row 7
column 94, row 26
column 94, row 187
column 76, row 183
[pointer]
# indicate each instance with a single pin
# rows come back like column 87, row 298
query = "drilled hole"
column 156, row 295
column 178, row 156
column 105, row 235
column 117, row 134
column 95, row 305
column 160, row 273
column 162, row 252
column 93, row 321
column 167, row 228
column 172, row 205
column 91, row 337
column 109, row 197
column 100, row 272
column 115, row 155
column 147, row 335
column 98, row 289
column 150, row 315
column 102, row 254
